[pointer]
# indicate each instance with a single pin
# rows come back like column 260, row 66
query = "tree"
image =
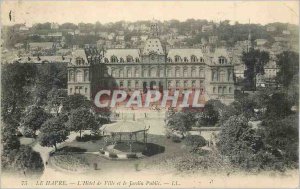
column 34, row 118
column 278, row 106
column 9, row 138
column 53, row 131
column 55, row 99
column 72, row 102
column 210, row 116
column 82, row 119
column 288, row 63
column 16, row 81
column 28, row 160
column 237, row 140
column 254, row 61
column 179, row 121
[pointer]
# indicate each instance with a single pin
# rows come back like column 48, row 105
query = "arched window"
column 114, row 73
column 169, row 72
column 177, row 72
column 136, row 84
column 177, row 58
column 145, row 72
column 222, row 60
column 153, row 72
column 214, row 75
column 129, row 72
column 201, row 60
column 201, row 73
column 79, row 76
column 71, row 76
column 113, row 59
column 193, row 58
column 86, row 75
column 121, row 60
column 136, row 72
column 193, row 73
column 137, row 60
column 129, row 59
column 185, row 72
column 229, row 75
column 169, row 59
column 121, row 73
column 185, row 59
column 106, row 60
column 222, row 76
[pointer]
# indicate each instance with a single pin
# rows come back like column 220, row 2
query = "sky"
column 261, row 12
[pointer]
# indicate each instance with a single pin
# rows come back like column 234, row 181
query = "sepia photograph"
column 149, row 94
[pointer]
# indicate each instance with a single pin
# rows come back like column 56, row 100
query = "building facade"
column 154, row 68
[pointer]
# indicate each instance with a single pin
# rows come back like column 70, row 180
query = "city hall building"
column 154, row 68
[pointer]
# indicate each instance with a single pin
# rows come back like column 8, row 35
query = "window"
column 106, row 60
column 193, row 58
column 129, row 84
column 185, row 72
column 177, row 84
column 114, row 73
column 113, row 59
column 79, row 76
column 230, row 90
column 145, row 73
column 129, row 72
column 136, row 84
column 71, row 90
column 185, row 84
column 224, row 90
column 201, row 60
column 121, row 84
column 71, row 76
column 137, row 72
column 121, row 60
column 229, row 75
column 185, row 59
column 219, row 90
column 169, row 84
column 121, row 73
column 137, row 60
column 85, row 90
column 193, row 72
column 193, row 84
column 222, row 76
column 153, row 72
column 177, row 58
column 222, row 60
column 86, row 75
column 169, row 59
column 161, row 72
column 201, row 73
column 214, row 75
column 169, row 72
column 129, row 59
column 214, row 89
column 79, row 61
column 177, row 72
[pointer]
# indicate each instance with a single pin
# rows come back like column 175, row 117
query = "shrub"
column 131, row 156
column 113, row 155
column 87, row 137
column 102, row 151
column 195, row 141
column 176, row 138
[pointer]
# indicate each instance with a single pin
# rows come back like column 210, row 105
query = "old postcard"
column 149, row 94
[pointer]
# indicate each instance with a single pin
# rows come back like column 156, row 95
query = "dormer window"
column 114, row 59
column 137, row 60
column 129, row 59
column 169, row 59
column 177, row 58
column 222, row 60
column 193, row 58
column 201, row 60
column 185, row 59
column 79, row 61
column 121, row 60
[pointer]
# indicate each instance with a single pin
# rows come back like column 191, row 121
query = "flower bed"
column 70, row 162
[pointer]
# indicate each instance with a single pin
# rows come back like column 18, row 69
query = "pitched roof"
column 153, row 45
column 79, row 53
column 122, row 53
column 43, row 45
column 188, row 52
